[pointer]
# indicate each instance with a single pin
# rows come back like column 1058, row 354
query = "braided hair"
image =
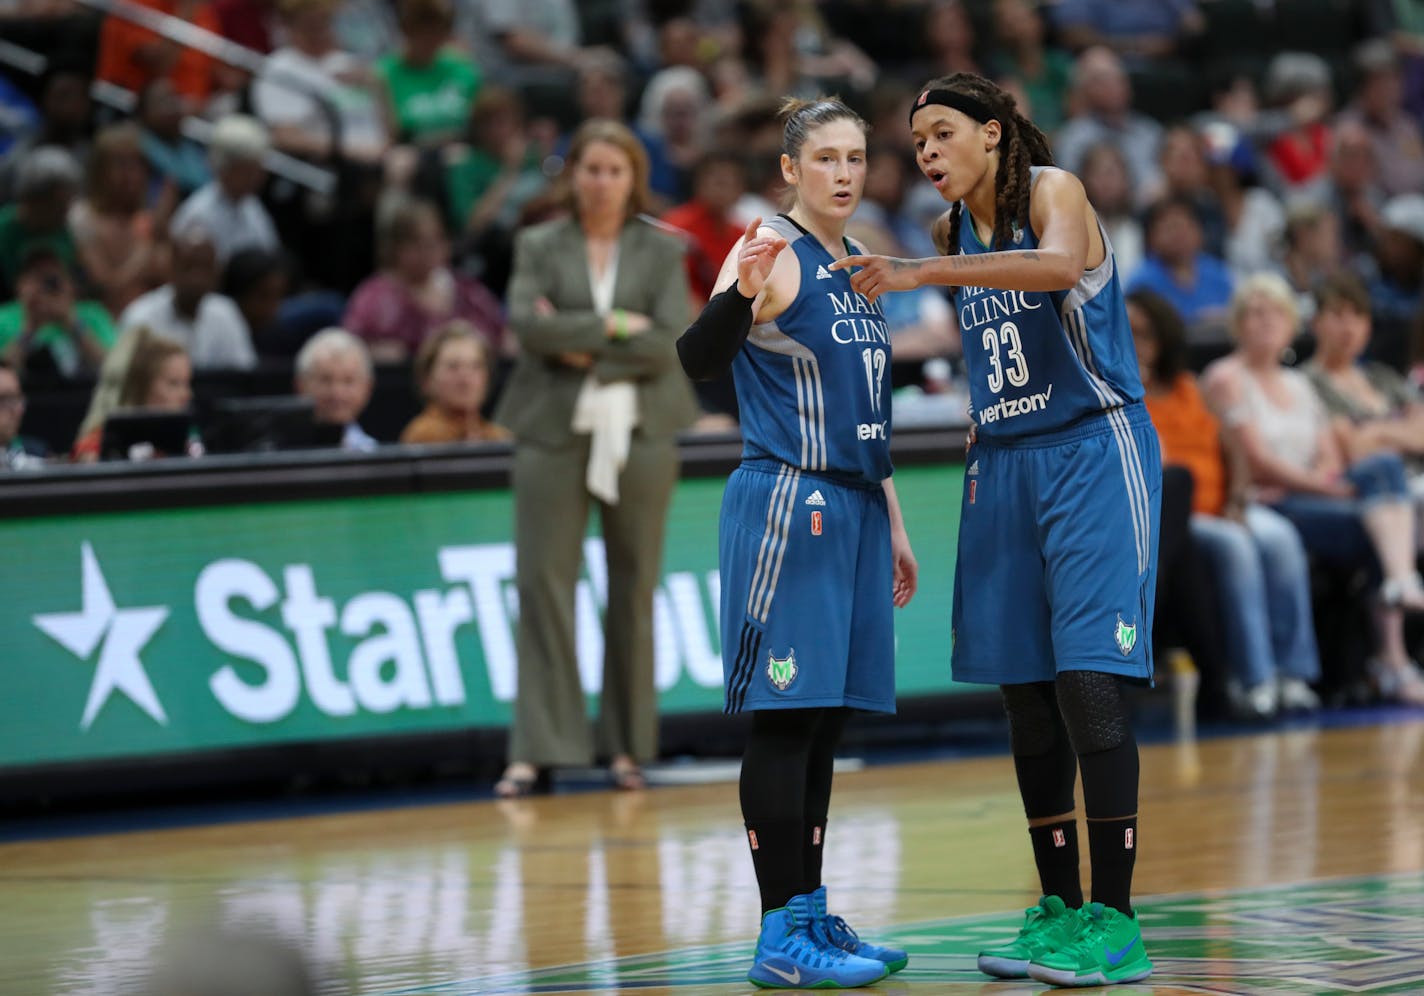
column 1021, row 147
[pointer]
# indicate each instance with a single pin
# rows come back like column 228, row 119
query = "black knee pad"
column 1034, row 723
column 1091, row 704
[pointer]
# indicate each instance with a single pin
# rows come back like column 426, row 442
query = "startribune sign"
column 141, row 633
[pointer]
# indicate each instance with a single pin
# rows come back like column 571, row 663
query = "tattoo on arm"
column 905, row 264
column 962, row 262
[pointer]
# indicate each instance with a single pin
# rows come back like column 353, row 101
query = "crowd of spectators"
column 324, row 196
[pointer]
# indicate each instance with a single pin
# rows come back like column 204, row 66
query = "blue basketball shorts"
column 1057, row 560
column 807, row 580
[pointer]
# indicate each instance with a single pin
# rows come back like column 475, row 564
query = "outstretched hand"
column 880, row 274
column 755, row 259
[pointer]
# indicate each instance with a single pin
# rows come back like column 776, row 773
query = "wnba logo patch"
column 816, row 523
column 1060, row 839
column 973, row 491
column 1127, row 839
column 751, row 839
column 781, row 672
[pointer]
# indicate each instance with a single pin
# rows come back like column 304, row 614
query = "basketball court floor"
column 1278, row 862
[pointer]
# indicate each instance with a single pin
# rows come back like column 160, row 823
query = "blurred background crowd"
column 242, row 209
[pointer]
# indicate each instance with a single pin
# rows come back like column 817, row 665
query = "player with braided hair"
column 1058, row 529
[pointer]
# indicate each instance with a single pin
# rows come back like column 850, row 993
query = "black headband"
column 973, row 106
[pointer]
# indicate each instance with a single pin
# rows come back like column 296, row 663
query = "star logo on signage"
column 119, row 633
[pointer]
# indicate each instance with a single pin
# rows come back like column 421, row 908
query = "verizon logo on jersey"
column 1012, row 407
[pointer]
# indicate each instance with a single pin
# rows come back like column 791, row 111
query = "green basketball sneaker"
column 1107, row 950
column 1047, row 927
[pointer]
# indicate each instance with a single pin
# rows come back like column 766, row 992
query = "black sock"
column 1113, row 845
column 773, row 796
column 819, row 773
column 776, row 852
column 1110, row 801
column 1055, row 852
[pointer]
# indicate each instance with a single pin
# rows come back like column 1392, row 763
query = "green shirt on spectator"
column 92, row 317
column 15, row 240
column 431, row 101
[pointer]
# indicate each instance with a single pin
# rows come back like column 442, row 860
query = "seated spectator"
column 334, row 370
column 45, row 331
column 189, row 311
column 172, row 157
column 228, row 207
column 1254, row 554
column 1253, row 220
column 1101, row 101
column 257, row 281
column 671, row 121
column 416, row 291
column 793, row 53
column 1349, row 515
column 489, row 180
column 17, row 452
column 46, row 183
column 310, row 79
column 66, row 115
column 1397, row 288
column 122, row 244
column 1312, row 249
column 430, row 86
column 1353, row 191
column 153, row 374
column 452, row 371
column 1140, row 31
column 948, row 40
column 718, row 181
column 1298, row 158
column 1374, row 407
column 1379, row 107
column 1196, row 284
column 526, row 44
column 1020, row 53
column 1182, row 158
column 1108, row 185
column 131, row 56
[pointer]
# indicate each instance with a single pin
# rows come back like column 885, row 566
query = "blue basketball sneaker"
column 837, row 933
column 788, row 957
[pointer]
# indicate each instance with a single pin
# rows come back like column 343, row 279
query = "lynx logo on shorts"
column 1125, row 635
column 816, row 522
column 782, row 672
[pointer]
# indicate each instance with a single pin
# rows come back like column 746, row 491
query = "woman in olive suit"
column 595, row 401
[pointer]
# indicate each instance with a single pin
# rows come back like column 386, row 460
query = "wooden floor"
column 1268, row 863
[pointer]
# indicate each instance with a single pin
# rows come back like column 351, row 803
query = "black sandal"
column 517, row 787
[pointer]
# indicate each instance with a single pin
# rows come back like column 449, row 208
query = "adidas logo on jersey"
column 816, row 498
column 973, row 469
column 822, row 273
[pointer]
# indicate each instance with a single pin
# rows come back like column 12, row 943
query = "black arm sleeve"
column 713, row 340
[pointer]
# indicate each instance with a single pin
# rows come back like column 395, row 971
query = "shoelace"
column 1031, row 916
column 835, row 926
column 1092, row 935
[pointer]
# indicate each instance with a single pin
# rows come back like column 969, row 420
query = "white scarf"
column 607, row 411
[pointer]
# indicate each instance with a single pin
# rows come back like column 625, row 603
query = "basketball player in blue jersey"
column 1058, row 536
column 813, row 550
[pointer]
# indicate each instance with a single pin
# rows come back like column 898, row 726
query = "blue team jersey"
column 1037, row 360
column 813, row 386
